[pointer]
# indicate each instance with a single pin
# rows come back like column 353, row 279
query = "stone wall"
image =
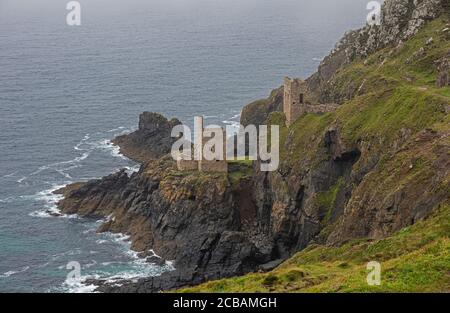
column 213, row 166
column 297, row 101
column 295, row 96
column 320, row 108
column 200, row 142
column 187, row 165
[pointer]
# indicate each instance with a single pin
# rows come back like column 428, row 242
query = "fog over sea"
column 65, row 92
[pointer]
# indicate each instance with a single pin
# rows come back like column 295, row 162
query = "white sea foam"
column 234, row 123
column 136, row 267
column 8, row 199
column 79, row 285
column 22, row 179
column 50, row 199
column 58, row 256
column 93, row 262
column 236, row 116
column 82, row 142
column 114, row 150
column 59, row 167
column 116, row 129
column 234, row 126
column 130, row 170
column 139, row 268
column 9, row 175
column 88, row 144
column 11, row 273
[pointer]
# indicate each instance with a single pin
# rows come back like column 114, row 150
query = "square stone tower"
column 294, row 102
column 214, row 165
column 198, row 161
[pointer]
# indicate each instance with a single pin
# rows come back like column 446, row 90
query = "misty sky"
column 54, row 10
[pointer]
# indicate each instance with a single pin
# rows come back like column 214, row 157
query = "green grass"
column 397, row 97
column 238, row 170
column 444, row 92
column 327, row 199
column 416, row 259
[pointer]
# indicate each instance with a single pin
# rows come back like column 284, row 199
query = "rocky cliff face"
column 377, row 164
column 400, row 20
column 200, row 221
column 152, row 140
column 343, row 177
column 256, row 113
column 415, row 180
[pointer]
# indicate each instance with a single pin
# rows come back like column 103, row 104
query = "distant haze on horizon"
column 52, row 9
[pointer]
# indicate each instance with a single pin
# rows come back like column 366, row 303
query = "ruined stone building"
column 295, row 91
column 197, row 161
column 297, row 101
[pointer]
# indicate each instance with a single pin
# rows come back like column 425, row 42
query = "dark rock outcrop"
column 194, row 219
column 152, row 140
column 256, row 113
column 414, row 182
column 209, row 227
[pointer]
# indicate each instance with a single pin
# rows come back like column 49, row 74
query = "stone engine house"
column 297, row 101
column 198, row 163
column 295, row 91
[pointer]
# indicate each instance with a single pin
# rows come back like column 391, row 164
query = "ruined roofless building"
column 297, row 101
column 294, row 99
column 198, row 162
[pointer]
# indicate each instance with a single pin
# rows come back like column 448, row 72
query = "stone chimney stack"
column 198, row 138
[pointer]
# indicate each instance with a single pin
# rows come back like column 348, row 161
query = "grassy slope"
column 396, row 95
column 417, row 259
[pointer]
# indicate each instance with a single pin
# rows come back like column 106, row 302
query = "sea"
column 66, row 91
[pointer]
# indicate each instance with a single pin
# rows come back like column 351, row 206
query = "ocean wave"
column 82, row 142
column 93, row 262
column 234, row 127
column 79, row 285
column 137, row 268
column 59, row 167
column 132, row 267
column 236, row 116
column 72, row 252
column 130, row 170
column 8, row 200
column 22, row 179
column 88, row 144
column 9, row 175
column 116, row 129
column 50, row 200
column 11, row 273
column 114, row 150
